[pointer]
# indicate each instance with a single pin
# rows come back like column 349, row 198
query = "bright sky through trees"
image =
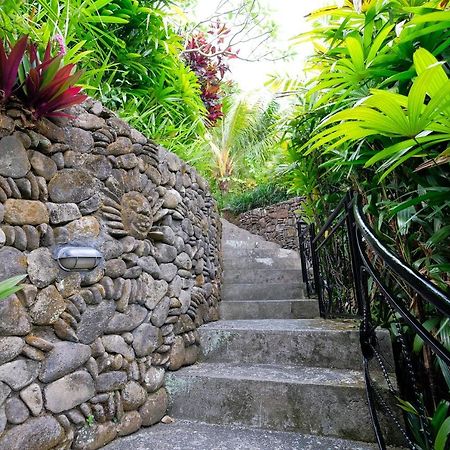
column 290, row 18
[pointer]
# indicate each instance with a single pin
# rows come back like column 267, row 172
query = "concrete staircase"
column 261, row 280
column 272, row 375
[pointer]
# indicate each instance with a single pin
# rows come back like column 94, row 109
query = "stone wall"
column 83, row 354
column 276, row 223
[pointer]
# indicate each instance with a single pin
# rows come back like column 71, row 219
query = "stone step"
column 262, row 276
column 186, row 435
column 260, row 253
column 324, row 402
column 267, row 262
column 269, row 309
column 231, row 244
column 312, row 342
column 262, row 291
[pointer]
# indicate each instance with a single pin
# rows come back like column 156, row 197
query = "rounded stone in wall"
column 14, row 320
column 13, row 158
column 36, row 434
column 71, row 186
column 48, row 307
column 42, row 268
column 79, row 140
column 17, row 262
column 69, row 391
column 154, row 409
column 25, row 212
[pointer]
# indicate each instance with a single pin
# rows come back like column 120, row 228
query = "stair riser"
column 319, row 349
column 260, row 253
column 239, row 310
column 262, row 276
column 281, row 291
column 337, row 411
column 250, row 244
column 249, row 264
column 307, row 309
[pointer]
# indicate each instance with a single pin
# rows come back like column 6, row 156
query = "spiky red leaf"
column 68, row 98
column 10, row 66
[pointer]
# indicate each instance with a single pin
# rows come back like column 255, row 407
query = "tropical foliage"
column 130, row 55
column 9, row 66
column 242, row 143
column 265, row 194
column 208, row 59
column 47, row 87
column 375, row 118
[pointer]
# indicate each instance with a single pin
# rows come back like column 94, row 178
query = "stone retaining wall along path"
column 83, row 354
column 276, row 223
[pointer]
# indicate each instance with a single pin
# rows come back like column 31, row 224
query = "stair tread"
column 277, row 325
column 300, row 375
column 268, row 269
column 295, row 300
column 300, row 299
column 261, row 252
column 296, row 284
column 189, row 435
column 309, row 300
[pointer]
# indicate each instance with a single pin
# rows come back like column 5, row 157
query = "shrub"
column 263, row 195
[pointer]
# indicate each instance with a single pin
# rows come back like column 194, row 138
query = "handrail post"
column 358, row 285
column 301, row 247
column 316, row 270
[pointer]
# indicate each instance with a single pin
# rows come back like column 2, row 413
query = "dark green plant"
column 263, row 195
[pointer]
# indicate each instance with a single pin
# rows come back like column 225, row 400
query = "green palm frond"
column 414, row 122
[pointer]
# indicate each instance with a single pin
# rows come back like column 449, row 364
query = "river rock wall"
column 83, row 354
column 276, row 223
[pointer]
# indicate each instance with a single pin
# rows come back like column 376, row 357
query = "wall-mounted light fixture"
column 78, row 258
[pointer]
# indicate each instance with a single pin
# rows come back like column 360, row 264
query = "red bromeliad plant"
column 9, row 66
column 48, row 85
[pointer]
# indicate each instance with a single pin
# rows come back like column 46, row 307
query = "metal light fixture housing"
column 78, row 258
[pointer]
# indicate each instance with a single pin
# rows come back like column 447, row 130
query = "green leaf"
column 442, row 436
column 356, row 52
column 106, row 19
column 429, row 325
column 429, row 196
column 439, row 236
column 9, row 286
column 440, row 415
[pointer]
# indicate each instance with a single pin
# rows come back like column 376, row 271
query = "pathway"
column 272, row 375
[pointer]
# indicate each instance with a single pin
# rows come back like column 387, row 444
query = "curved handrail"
column 438, row 348
column 349, row 224
column 412, row 277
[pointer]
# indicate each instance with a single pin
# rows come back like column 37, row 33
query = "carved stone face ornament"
column 136, row 215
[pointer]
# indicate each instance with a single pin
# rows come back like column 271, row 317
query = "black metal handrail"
column 303, row 230
column 353, row 268
column 429, row 291
column 417, row 282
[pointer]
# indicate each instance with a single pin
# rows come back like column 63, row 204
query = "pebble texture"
column 276, row 223
column 84, row 354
